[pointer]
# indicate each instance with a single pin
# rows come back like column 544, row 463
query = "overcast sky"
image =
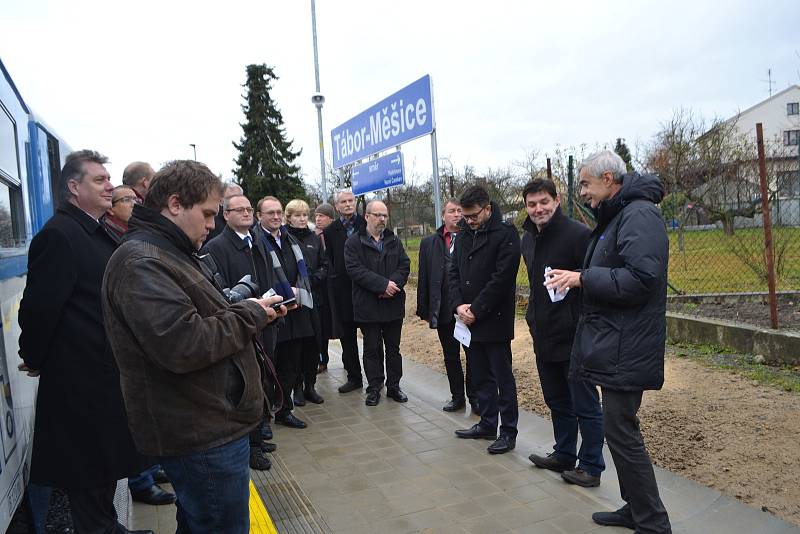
column 142, row 80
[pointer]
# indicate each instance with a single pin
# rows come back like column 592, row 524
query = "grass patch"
column 784, row 377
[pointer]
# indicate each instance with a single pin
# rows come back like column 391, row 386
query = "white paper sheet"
column 461, row 332
column 555, row 296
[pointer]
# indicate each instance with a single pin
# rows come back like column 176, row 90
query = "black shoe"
column 161, row 477
column 550, row 462
column 373, row 398
column 153, row 495
column 268, row 447
column 617, row 518
column 454, row 405
column 348, row 386
column 396, row 394
column 298, row 398
column 258, row 461
column 311, row 395
column 502, row 445
column 291, row 421
column 476, row 432
column 579, row 477
column 266, row 432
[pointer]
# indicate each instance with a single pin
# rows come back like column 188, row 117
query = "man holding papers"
column 551, row 240
column 482, row 287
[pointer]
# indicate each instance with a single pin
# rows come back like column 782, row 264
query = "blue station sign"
column 380, row 173
column 403, row 116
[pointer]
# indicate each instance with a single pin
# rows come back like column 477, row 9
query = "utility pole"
column 194, row 149
column 317, row 99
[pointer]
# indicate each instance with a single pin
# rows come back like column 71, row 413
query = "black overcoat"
column 619, row 343
column 81, row 437
column 432, row 292
column 483, row 273
column 370, row 269
column 234, row 259
column 561, row 244
column 340, row 285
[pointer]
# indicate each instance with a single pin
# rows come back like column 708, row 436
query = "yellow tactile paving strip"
column 260, row 521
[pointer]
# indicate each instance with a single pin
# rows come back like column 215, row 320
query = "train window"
column 9, row 210
column 9, row 156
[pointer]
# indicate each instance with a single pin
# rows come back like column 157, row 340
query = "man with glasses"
column 379, row 267
column 482, row 281
column 236, row 254
column 344, row 326
column 228, row 190
column 115, row 220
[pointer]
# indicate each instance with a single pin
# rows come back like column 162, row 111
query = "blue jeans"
column 144, row 480
column 573, row 405
column 212, row 487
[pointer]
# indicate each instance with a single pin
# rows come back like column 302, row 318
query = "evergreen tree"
column 265, row 162
column 622, row 151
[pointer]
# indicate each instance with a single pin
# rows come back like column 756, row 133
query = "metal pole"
column 323, row 181
column 437, row 200
column 549, row 170
column 762, row 174
column 194, row 149
column 570, row 195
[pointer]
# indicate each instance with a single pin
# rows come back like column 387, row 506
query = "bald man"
column 137, row 176
column 379, row 266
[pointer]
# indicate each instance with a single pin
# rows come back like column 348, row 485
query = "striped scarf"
column 282, row 286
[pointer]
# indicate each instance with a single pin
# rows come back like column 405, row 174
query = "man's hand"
column 465, row 314
column 559, row 280
column 25, row 369
column 392, row 289
column 267, row 303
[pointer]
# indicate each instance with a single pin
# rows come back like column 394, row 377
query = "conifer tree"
column 265, row 165
column 622, row 151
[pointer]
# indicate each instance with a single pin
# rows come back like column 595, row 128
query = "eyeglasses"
column 241, row 210
column 379, row 215
column 473, row 216
column 126, row 200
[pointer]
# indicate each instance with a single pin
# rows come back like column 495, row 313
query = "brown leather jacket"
column 188, row 368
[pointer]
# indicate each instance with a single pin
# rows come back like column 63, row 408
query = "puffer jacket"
column 188, row 367
column 619, row 343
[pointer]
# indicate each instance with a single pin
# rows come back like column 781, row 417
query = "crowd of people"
column 171, row 323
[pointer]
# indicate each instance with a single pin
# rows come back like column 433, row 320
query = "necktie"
column 247, row 239
column 452, row 242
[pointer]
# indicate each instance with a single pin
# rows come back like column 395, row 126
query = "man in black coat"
column 348, row 223
column 433, row 303
column 483, row 277
column 81, row 440
column 228, row 190
column 379, row 267
column 236, row 254
column 619, row 343
column 553, row 240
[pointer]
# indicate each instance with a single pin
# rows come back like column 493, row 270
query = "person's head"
column 230, row 190
column 122, row 200
column 137, row 176
column 238, row 213
column 345, row 202
column 297, row 213
column 475, row 206
column 601, row 176
column 323, row 216
column 376, row 215
column 451, row 214
column 187, row 193
column 270, row 213
column 541, row 200
column 85, row 182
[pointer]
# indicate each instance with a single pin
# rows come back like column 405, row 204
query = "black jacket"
column 81, row 437
column 341, row 290
column 370, row 269
column 560, row 245
column 432, row 292
column 483, row 274
column 620, row 339
column 317, row 265
column 234, row 259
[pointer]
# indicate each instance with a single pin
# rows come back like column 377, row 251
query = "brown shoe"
column 579, row 477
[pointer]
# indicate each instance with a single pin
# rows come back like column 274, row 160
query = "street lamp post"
column 194, row 149
column 318, row 100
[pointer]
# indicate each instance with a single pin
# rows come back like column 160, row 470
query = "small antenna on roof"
column 769, row 81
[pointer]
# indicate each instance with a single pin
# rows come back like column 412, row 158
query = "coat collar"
column 555, row 221
column 89, row 224
column 234, row 238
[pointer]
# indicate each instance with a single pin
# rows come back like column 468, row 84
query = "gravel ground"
column 712, row 426
column 753, row 313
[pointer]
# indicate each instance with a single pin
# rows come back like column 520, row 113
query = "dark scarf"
column 282, row 286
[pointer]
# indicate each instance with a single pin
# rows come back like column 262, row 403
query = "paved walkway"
column 398, row 468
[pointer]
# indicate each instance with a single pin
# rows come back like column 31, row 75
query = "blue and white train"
column 31, row 157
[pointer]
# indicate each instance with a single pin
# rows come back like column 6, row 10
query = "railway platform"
column 398, row 468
